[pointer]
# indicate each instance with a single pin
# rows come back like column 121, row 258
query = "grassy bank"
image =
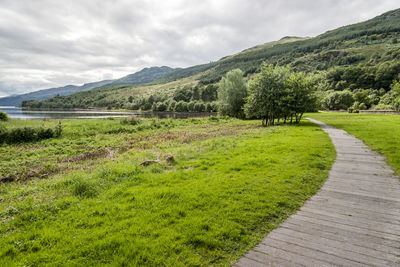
column 229, row 184
column 380, row 132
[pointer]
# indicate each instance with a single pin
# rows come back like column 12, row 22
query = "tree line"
column 276, row 94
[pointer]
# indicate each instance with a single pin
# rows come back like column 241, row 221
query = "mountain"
column 146, row 75
column 16, row 100
column 365, row 55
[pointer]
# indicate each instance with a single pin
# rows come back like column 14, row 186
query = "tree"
column 277, row 93
column 196, row 93
column 183, row 94
column 301, row 97
column 209, row 93
column 232, row 91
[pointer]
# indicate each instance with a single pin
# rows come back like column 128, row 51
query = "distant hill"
column 16, row 100
column 146, row 75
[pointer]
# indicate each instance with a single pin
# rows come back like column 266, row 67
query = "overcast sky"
column 47, row 43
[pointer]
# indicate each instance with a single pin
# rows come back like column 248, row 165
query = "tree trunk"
column 301, row 116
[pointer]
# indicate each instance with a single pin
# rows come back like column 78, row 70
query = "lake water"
column 18, row 113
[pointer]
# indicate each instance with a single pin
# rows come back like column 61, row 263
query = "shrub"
column 171, row 105
column 383, row 107
column 28, row 134
column 3, row 116
column 131, row 121
column 362, row 106
column 209, row 107
column 338, row 100
column 199, row 107
column 191, row 106
column 181, row 106
column 45, row 133
column 59, row 128
column 161, row 107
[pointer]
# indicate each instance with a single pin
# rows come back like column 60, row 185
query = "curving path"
column 353, row 220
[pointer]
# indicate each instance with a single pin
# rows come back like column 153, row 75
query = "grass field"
column 380, row 132
column 83, row 199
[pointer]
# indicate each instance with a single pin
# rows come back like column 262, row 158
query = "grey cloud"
column 47, row 43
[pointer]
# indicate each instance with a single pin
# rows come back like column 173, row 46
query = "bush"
column 191, row 106
column 181, row 106
column 28, row 134
column 199, row 107
column 131, row 121
column 338, row 100
column 209, row 107
column 59, row 129
column 171, row 105
column 383, row 107
column 161, row 107
column 362, row 106
column 45, row 133
column 3, row 116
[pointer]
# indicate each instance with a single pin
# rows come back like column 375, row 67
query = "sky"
column 47, row 43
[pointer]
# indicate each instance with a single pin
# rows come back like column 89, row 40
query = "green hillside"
column 360, row 56
column 146, row 75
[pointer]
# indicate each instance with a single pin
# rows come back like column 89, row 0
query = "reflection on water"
column 18, row 113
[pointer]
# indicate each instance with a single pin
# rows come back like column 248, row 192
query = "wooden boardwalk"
column 353, row 220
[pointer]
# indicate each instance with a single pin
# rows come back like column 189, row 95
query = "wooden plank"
column 356, row 204
column 246, row 262
column 370, row 255
column 379, row 201
column 375, row 186
column 310, row 253
column 276, row 260
column 382, row 199
column 363, row 236
column 344, row 237
column 360, row 221
column 342, row 253
column 347, row 226
column 289, row 256
column 354, row 212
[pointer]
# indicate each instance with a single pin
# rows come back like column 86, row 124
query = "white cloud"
column 48, row 43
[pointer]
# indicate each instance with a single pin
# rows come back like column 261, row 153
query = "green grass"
column 380, row 132
column 230, row 184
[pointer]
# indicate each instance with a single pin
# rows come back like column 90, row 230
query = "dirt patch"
column 24, row 176
column 148, row 141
